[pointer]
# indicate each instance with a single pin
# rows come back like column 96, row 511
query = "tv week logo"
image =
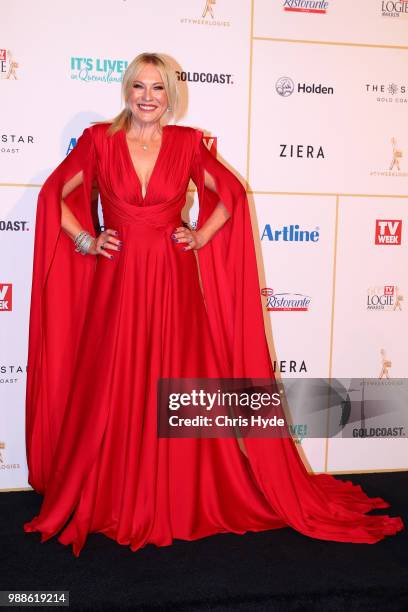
column 6, row 296
column 388, row 231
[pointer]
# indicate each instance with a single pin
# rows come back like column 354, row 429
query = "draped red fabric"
column 103, row 332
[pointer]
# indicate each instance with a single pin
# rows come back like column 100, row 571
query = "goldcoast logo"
column 8, row 65
column 97, row 69
column 217, row 78
column 318, row 7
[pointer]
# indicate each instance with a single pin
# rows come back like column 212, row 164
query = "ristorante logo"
column 392, row 8
column 217, row 78
column 285, row 87
column 6, row 297
column 388, row 232
column 301, row 151
column 284, row 301
column 14, row 143
column 8, row 65
column 306, row 6
column 97, row 69
column 388, row 93
column 395, row 167
column 290, row 233
column 9, row 225
column 384, row 297
column 208, row 16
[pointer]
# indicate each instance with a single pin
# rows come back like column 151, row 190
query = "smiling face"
column 148, row 98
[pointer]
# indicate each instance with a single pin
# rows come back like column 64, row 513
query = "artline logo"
column 13, row 226
column 285, row 88
column 279, row 302
column 13, row 143
column 8, row 65
column 97, row 69
column 394, row 168
column 306, row 6
column 290, row 233
column 391, row 8
column 384, row 297
column 388, row 232
column 207, row 16
column 301, row 151
column 6, row 297
column 388, row 93
column 205, row 77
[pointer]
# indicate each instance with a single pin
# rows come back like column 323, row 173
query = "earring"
column 168, row 109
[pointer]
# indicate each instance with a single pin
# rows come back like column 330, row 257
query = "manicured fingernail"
column 184, row 248
column 111, row 256
column 116, row 233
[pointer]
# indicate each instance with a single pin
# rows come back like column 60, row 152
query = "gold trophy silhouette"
column 386, row 364
column 208, row 9
column 398, row 299
column 396, row 155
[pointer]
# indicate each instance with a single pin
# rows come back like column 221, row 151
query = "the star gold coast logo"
column 8, row 65
column 207, row 16
column 395, row 164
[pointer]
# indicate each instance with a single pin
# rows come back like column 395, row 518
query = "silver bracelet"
column 83, row 242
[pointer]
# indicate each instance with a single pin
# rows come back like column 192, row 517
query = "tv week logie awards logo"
column 388, row 232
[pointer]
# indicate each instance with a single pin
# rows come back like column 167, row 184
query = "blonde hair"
column 168, row 75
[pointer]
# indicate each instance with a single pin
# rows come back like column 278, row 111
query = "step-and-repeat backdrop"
column 307, row 101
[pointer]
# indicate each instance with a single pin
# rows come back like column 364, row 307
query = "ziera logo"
column 290, row 233
column 301, row 151
column 6, row 296
column 388, row 232
column 306, row 6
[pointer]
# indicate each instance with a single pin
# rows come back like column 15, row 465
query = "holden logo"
column 285, row 87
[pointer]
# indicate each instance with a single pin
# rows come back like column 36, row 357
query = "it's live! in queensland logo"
column 97, row 69
column 319, row 7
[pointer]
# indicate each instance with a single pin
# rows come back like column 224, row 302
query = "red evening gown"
column 103, row 331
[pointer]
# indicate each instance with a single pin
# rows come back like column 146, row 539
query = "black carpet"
column 270, row 570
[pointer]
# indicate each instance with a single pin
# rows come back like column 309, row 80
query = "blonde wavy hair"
column 168, row 75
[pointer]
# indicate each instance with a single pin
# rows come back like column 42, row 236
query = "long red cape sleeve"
column 61, row 283
column 317, row 505
column 229, row 272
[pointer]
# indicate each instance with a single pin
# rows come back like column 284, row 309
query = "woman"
column 104, row 327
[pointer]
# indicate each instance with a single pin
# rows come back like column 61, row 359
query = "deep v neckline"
column 129, row 157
